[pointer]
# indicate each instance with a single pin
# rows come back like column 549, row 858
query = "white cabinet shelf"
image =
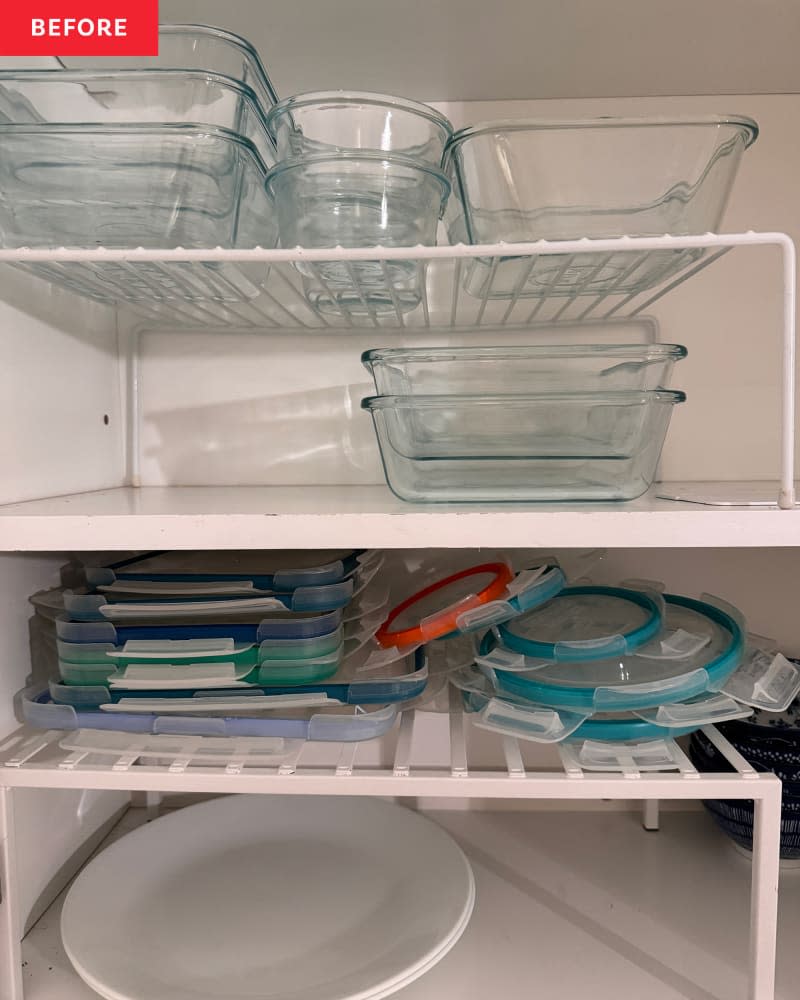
column 370, row 516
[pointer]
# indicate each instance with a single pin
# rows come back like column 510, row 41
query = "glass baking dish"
column 538, row 446
column 522, row 181
column 194, row 47
column 172, row 97
column 465, row 370
column 156, row 186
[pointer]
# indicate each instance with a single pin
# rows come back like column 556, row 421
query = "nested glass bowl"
column 540, row 367
column 351, row 121
column 538, row 446
column 352, row 201
column 527, row 180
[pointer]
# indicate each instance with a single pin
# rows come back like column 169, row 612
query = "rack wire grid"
column 34, row 759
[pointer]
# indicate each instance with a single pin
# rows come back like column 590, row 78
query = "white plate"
column 269, row 898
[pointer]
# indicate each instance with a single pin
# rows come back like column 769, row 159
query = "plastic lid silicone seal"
column 445, row 620
column 592, row 647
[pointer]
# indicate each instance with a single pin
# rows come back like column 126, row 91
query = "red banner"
column 79, row 28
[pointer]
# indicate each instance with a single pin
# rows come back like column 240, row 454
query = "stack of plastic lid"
column 621, row 664
column 228, row 644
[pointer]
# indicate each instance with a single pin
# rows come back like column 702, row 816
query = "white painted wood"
column 59, row 380
column 341, row 516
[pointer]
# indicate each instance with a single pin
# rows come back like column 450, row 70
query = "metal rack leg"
column 650, row 814
column 10, row 931
column 764, row 893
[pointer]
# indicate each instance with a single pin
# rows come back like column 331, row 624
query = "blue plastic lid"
column 585, row 623
column 265, row 571
column 698, row 648
column 284, row 625
column 625, row 728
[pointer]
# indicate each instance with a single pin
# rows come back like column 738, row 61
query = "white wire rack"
column 446, row 287
column 31, row 759
column 449, row 288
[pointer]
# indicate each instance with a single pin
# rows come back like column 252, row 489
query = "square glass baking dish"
column 540, row 367
column 167, row 97
column 527, row 180
column 194, row 47
column 554, row 446
column 157, row 186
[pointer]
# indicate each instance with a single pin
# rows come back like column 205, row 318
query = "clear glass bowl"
column 362, row 200
column 538, row 446
column 169, row 97
column 131, row 186
column 465, row 370
column 521, row 181
column 348, row 121
column 194, row 47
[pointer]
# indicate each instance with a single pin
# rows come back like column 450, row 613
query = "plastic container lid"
column 699, row 647
column 406, row 677
column 585, row 623
column 280, row 626
column 215, row 573
column 434, row 611
column 342, row 723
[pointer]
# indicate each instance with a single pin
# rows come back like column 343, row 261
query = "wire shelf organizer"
column 30, row 759
column 459, row 289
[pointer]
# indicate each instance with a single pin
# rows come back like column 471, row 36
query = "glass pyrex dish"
column 410, row 371
column 351, row 201
column 193, row 47
column 536, row 446
column 350, row 121
column 158, row 186
column 522, row 181
column 167, row 97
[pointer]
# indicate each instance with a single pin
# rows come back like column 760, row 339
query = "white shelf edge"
column 32, row 758
column 369, row 516
column 419, row 252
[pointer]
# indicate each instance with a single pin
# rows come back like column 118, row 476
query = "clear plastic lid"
column 339, row 723
column 585, row 623
column 766, row 680
column 626, row 758
column 529, row 589
column 712, row 640
column 262, row 570
column 280, row 625
column 178, row 676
